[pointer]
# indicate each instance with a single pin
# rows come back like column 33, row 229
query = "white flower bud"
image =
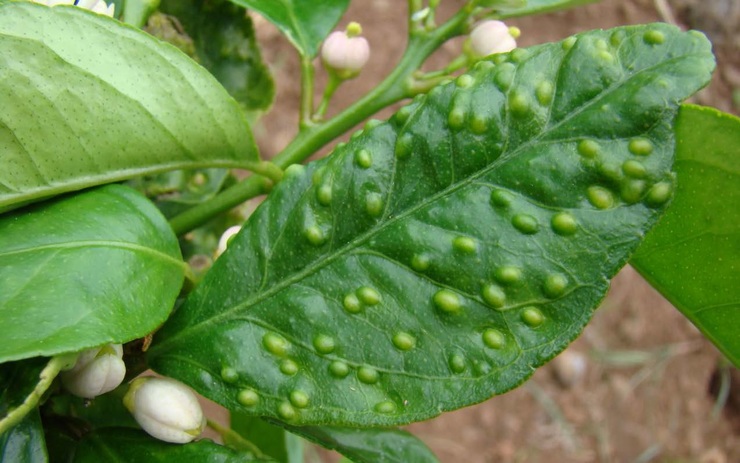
column 345, row 52
column 96, row 372
column 491, row 37
column 97, row 6
column 165, row 409
column 223, row 242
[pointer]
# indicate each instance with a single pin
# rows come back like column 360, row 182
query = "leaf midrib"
column 353, row 244
column 97, row 244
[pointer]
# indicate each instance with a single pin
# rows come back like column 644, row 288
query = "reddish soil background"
column 640, row 384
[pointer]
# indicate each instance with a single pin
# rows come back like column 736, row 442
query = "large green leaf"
column 369, row 445
column 128, row 445
column 226, row 46
column 693, row 255
column 437, row 259
column 97, row 267
column 23, row 443
column 305, row 24
column 86, row 100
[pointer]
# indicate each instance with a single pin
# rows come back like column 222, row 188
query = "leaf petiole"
column 46, row 377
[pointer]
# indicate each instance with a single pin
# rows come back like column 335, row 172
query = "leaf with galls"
column 450, row 251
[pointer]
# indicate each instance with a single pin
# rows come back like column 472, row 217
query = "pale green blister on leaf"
column 490, row 250
column 86, row 100
column 693, row 255
column 97, row 267
column 304, row 23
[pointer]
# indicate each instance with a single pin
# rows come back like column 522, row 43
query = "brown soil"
column 635, row 387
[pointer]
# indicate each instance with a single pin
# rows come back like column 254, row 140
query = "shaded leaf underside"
column 437, row 259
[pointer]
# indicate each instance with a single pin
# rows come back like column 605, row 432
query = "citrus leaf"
column 271, row 439
column 125, row 445
column 692, row 257
column 86, row 100
column 369, row 445
column 305, row 24
column 98, row 267
column 24, row 442
column 439, row 258
column 225, row 44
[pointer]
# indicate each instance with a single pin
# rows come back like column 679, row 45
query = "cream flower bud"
column 95, row 372
column 345, row 52
column 225, row 239
column 165, row 409
column 97, row 6
column 491, row 37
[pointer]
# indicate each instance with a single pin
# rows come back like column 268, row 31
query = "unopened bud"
column 95, row 372
column 491, row 37
column 165, row 409
column 226, row 238
column 97, row 6
column 345, row 52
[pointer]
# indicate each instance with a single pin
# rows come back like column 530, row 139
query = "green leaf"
column 226, row 46
column 369, row 445
column 693, row 255
column 271, row 439
column 98, row 267
column 439, row 258
column 23, row 443
column 86, row 100
column 532, row 7
column 305, row 24
column 127, row 445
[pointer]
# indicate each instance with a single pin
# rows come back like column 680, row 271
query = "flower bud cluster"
column 96, row 371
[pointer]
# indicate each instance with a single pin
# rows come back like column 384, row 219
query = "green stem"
column 236, row 440
column 398, row 85
column 334, row 82
column 307, row 83
column 46, row 377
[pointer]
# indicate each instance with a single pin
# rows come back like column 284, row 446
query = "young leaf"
column 693, row 255
column 23, row 443
column 305, row 24
column 98, row 267
column 86, row 100
column 123, row 444
column 369, row 445
column 226, row 46
column 438, row 259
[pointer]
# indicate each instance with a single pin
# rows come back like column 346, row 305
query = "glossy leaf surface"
column 93, row 268
column 305, row 24
column 437, row 259
column 126, row 445
column 225, row 45
column 86, row 100
column 23, row 443
column 693, row 255
column 369, row 445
